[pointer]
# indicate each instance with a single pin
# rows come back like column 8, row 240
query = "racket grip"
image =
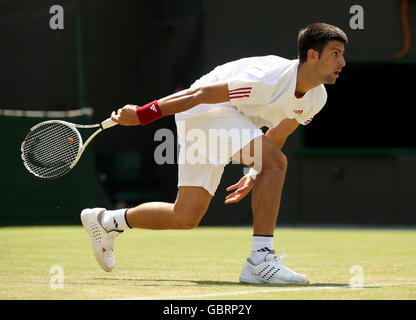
column 108, row 123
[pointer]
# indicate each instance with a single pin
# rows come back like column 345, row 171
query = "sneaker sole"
column 251, row 280
column 248, row 279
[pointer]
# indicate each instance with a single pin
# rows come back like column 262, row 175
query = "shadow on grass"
column 182, row 282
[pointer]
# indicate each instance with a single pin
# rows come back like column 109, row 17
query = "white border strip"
column 46, row 114
column 235, row 293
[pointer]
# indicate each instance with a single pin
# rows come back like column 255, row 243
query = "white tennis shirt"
column 263, row 89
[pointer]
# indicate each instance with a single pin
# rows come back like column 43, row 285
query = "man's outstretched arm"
column 175, row 103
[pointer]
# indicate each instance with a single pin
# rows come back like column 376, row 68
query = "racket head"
column 51, row 148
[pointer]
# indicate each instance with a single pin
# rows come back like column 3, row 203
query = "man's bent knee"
column 186, row 219
column 186, row 224
column 190, row 206
column 273, row 157
column 281, row 160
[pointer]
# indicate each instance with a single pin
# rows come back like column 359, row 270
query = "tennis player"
column 240, row 97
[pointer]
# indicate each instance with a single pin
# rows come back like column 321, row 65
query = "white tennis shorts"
column 207, row 143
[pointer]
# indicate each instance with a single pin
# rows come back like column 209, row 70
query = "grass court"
column 56, row 262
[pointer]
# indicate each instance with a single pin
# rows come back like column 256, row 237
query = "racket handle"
column 108, row 123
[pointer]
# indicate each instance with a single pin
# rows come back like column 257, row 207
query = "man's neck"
column 306, row 80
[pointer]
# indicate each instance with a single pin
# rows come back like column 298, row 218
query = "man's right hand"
column 242, row 188
column 126, row 116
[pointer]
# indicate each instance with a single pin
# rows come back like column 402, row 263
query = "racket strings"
column 50, row 149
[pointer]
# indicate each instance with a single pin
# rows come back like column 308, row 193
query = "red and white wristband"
column 148, row 113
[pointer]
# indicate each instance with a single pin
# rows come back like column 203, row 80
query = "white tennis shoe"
column 271, row 271
column 102, row 241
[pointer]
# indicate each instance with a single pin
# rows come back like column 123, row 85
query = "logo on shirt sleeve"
column 240, row 93
column 299, row 112
column 308, row 121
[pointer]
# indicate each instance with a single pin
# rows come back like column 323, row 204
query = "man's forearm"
column 132, row 115
column 278, row 142
column 189, row 98
column 180, row 101
column 279, row 134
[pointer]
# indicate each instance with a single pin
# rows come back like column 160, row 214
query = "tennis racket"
column 52, row 148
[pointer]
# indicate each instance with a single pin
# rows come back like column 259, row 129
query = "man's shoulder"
column 322, row 91
column 320, row 95
column 271, row 61
column 268, row 61
column 271, row 68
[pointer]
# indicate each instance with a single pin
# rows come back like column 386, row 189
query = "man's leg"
column 263, row 155
column 268, row 185
column 104, row 226
column 264, row 266
column 267, row 190
column 185, row 213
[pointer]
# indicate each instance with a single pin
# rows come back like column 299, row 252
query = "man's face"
column 330, row 63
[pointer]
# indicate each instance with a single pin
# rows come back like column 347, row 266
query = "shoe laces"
column 280, row 258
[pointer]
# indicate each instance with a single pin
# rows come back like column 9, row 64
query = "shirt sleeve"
column 319, row 101
column 252, row 86
column 304, row 121
column 305, row 118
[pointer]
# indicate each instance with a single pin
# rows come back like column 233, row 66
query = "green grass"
column 205, row 263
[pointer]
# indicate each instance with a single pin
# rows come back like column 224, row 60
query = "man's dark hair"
column 316, row 36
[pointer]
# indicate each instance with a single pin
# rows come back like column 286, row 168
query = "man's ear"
column 313, row 55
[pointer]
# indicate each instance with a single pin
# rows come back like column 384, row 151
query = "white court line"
column 234, row 293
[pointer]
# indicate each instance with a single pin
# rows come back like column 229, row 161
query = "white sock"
column 114, row 220
column 260, row 247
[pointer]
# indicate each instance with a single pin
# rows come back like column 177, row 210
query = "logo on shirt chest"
column 298, row 111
